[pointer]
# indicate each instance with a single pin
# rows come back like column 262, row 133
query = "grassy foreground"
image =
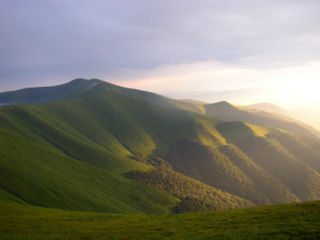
column 293, row 221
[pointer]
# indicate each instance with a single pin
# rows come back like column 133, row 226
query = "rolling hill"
column 40, row 176
column 96, row 150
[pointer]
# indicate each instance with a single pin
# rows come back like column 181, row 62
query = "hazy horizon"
column 240, row 97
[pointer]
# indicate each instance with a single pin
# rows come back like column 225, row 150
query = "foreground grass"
column 294, row 221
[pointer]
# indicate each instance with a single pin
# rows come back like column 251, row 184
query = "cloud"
column 291, row 86
column 46, row 40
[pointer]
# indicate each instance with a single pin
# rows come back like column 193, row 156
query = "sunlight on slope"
column 258, row 130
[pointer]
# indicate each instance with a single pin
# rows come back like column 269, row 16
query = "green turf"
column 295, row 221
column 43, row 177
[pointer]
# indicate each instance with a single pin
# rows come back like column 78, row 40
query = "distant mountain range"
column 310, row 114
column 307, row 116
column 264, row 117
column 91, row 145
column 239, row 96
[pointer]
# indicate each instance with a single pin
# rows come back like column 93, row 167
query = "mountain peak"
column 76, row 88
column 221, row 104
column 268, row 107
column 78, row 80
column 224, row 103
column 84, row 80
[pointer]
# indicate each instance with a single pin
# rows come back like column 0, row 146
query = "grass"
column 195, row 195
column 43, row 177
column 294, row 221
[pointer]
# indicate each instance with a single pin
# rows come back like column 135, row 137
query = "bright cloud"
column 294, row 86
column 44, row 41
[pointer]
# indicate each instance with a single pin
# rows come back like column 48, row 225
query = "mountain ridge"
column 307, row 116
column 122, row 130
column 228, row 112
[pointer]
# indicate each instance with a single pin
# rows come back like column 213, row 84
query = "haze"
column 177, row 48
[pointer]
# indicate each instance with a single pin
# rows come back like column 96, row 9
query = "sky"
column 179, row 48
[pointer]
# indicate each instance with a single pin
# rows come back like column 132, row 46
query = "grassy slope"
column 270, row 154
column 129, row 126
column 110, row 121
column 268, row 189
column 100, row 131
column 294, row 221
column 44, row 177
column 195, row 195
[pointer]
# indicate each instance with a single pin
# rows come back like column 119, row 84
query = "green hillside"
column 87, row 145
column 44, row 177
column 195, row 196
column 77, row 137
column 293, row 221
column 270, row 154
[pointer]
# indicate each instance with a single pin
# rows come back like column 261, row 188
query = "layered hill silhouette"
column 270, row 116
column 307, row 116
column 91, row 145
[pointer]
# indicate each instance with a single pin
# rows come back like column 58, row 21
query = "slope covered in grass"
column 44, row 177
column 293, row 221
column 273, row 156
column 104, row 131
column 195, row 196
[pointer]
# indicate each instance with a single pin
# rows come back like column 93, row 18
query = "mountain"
column 238, row 96
column 310, row 117
column 268, row 107
column 96, row 132
column 192, row 101
column 73, row 89
column 122, row 150
column 228, row 112
column 79, row 88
